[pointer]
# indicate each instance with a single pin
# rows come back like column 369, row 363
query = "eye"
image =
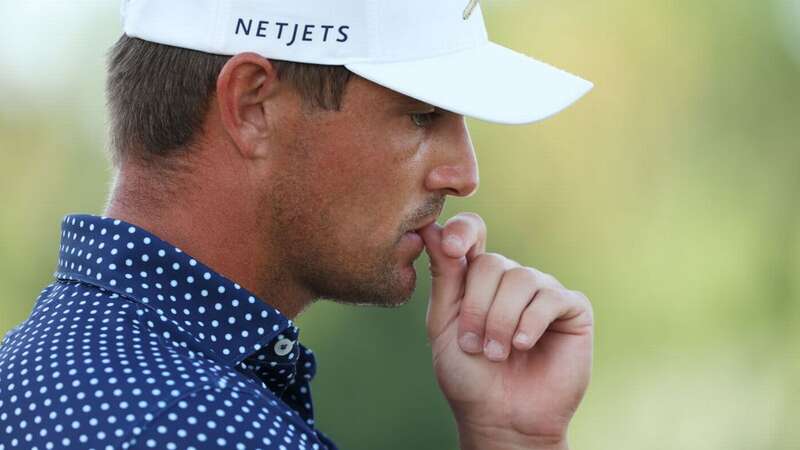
column 423, row 120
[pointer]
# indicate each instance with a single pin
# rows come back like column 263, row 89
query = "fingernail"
column 522, row 339
column 454, row 242
column 494, row 350
column 470, row 343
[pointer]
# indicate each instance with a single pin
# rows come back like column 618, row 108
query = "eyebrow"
column 405, row 100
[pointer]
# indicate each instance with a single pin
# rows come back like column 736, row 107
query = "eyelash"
column 429, row 118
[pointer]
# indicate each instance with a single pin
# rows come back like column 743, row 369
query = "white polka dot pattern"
column 138, row 345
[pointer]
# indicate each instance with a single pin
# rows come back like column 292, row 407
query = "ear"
column 245, row 83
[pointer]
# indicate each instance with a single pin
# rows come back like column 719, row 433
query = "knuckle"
column 580, row 296
column 553, row 293
column 584, row 301
column 549, row 279
column 565, row 294
column 472, row 315
column 523, row 274
column 490, row 262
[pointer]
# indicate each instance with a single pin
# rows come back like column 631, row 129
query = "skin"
column 299, row 204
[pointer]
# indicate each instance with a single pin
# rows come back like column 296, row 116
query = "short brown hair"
column 158, row 95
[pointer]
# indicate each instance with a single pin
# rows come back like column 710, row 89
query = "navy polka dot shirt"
column 138, row 345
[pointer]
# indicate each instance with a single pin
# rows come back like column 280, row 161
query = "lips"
column 413, row 239
column 424, row 224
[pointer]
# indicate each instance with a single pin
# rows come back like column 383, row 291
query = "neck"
column 205, row 221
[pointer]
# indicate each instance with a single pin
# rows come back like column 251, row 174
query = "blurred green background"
column 669, row 195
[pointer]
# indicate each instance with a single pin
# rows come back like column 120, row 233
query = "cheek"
column 375, row 192
column 361, row 181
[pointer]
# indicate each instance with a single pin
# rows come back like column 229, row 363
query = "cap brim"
column 489, row 82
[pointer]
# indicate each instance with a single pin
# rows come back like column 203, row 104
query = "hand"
column 504, row 394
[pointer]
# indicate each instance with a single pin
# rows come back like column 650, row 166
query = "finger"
column 447, row 281
column 483, row 278
column 516, row 289
column 548, row 279
column 560, row 310
column 465, row 235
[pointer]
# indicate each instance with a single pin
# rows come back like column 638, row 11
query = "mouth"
column 425, row 223
column 412, row 236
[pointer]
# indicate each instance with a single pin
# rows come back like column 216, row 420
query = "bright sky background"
column 40, row 39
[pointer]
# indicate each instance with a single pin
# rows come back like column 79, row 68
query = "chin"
column 388, row 292
column 401, row 290
column 386, row 280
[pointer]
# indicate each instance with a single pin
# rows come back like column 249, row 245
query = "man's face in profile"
column 347, row 185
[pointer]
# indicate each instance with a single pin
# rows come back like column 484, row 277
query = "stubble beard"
column 374, row 281
column 351, row 271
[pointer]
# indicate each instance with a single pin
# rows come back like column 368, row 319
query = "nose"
column 455, row 170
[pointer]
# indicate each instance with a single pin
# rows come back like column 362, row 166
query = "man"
column 247, row 186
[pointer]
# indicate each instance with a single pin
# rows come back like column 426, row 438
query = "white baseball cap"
column 436, row 51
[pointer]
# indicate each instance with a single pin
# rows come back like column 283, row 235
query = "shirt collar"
column 220, row 315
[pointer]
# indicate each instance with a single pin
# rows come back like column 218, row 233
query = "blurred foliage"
column 668, row 195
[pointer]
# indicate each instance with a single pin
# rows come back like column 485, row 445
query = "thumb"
column 447, row 281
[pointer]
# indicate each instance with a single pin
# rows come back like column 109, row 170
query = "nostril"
column 457, row 181
column 451, row 191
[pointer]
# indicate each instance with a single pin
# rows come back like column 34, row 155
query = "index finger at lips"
column 464, row 234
